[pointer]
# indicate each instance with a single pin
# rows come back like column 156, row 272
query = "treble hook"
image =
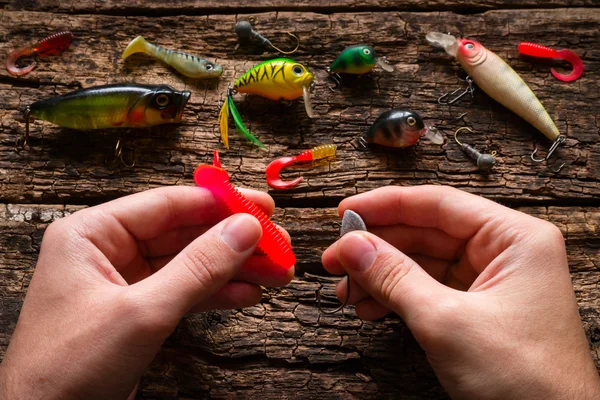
column 119, row 155
column 245, row 32
column 560, row 140
column 336, row 78
column 537, row 50
column 23, row 140
column 274, row 168
column 447, row 99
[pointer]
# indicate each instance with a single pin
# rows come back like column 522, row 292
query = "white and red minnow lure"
column 499, row 81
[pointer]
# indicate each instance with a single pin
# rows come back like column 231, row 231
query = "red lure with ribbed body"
column 52, row 45
column 273, row 243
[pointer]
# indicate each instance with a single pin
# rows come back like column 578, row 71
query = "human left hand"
column 113, row 281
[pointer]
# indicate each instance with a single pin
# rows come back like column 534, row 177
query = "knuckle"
column 199, row 262
column 392, row 271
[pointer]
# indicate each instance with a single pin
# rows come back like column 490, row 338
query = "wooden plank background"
column 283, row 348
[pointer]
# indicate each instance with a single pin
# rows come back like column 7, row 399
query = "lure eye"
column 298, row 70
column 209, row 67
column 162, row 100
column 367, row 51
column 469, row 46
column 411, row 121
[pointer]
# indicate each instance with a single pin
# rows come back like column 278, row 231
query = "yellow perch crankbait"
column 187, row 64
column 277, row 79
column 499, row 81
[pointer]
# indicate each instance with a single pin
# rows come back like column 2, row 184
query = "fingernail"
column 356, row 252
column 241, row 232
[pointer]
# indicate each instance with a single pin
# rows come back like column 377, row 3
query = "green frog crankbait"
column 356, row 60
column 399, row 128
column 111, row 106
column 277, row 79
column 186, row 64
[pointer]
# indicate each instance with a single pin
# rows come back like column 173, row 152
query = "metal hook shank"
column 291, row 51
column 560, row 140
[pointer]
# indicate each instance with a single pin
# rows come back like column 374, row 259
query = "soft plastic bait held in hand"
column 274, row 168
column 496, row 78
column 186, row 64
column 272, row 243
column 111, row 106
column 277, row 79
column 400, row 128
column 52, row 45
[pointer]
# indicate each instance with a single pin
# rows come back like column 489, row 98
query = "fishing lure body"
column 274, row 168
column 52, row 45
column 277, row 79
column 113, row 106
column 186, row 64
column 400, row 128
column 537, row 50
column 272, row 243
column 357, row 60
column 496, row 78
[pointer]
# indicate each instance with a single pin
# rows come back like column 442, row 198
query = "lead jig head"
column 485, row 161
column 246, row 33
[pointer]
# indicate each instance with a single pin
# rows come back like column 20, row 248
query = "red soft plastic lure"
column 275, row 167
column 537, row 50
column 273, row 243
column 52, row 45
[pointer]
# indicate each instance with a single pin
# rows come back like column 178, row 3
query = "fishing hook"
column 485, row 161
column 245, row 32
column 341, row 307
column 454, row 96
column 560, row 140
column 336, row 78
column 23, row 140
column 273, row 170
column 119, row 155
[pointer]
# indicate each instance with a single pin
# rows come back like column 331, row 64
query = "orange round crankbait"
column 52, row 45
column 273, row 243
column 314, row 154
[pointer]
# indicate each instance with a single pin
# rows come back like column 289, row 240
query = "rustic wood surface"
column 283, row 348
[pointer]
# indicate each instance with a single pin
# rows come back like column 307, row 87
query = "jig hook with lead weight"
column 485, row 161
column 274, row 168
column 246, row 33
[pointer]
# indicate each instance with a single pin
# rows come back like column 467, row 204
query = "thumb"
column 389, row 276
column 204, row 266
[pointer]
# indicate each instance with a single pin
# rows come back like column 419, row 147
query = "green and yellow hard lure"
column 111, row 106
column 356, row 60
column 277, row 79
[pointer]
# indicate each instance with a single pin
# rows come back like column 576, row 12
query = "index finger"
column 453, row 211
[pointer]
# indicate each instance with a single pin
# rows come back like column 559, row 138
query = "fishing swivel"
column 485, row 161
column 246, row 33
column 274, row 168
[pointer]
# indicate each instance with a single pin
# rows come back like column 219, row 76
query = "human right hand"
column 485, row 290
